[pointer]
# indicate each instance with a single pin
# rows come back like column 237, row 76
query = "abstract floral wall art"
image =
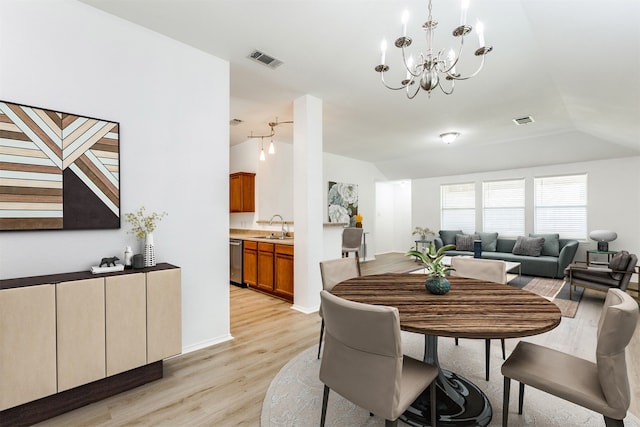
column 343, row 203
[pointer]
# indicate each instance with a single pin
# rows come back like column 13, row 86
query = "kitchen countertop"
column 254, row 235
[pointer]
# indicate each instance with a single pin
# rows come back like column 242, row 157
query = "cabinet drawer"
column 250, row 244
column 265, row 247
column 284, row 249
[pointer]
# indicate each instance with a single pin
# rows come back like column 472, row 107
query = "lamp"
column 433, row 65
column 449, row 137
column 272, row 148
column 603, row 237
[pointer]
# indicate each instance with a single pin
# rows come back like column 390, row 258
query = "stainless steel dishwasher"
column 235, row 262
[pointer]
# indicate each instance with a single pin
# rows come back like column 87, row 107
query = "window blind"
column 503, row 207
column 561, row 206
column 457, row 207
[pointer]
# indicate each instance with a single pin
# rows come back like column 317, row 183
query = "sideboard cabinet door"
column 126, row 322
column 27, row 344
column 81, row 336
column 164, row 314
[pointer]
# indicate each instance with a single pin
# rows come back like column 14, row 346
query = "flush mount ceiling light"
column 272, row 148
column 449, row 137
column 433, row 66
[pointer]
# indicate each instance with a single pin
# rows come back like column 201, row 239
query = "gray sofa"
column 555, row 256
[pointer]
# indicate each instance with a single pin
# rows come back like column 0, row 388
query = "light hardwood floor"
column 224, row 385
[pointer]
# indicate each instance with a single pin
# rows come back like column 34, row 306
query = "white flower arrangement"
column 142, row 225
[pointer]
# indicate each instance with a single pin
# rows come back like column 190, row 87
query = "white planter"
column 149, row 251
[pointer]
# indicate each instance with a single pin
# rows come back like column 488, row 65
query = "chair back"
column 492, row 270
column 351, row 239
column 337, row 270
column 615, row 328
column 362, row 359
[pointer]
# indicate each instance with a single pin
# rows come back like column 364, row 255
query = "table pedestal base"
column 460, row 402
column 474, row 410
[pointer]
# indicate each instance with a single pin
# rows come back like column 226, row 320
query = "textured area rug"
column 294, row 397
column 555, row 290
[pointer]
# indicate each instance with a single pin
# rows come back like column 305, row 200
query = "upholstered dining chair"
column 351, row 242
column 602, row 386
column 363, row 360
column 492, row 270
column 333, row 272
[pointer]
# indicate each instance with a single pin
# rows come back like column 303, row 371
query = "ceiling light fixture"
column 272, row 148
column 433, row 65
column 449, row 137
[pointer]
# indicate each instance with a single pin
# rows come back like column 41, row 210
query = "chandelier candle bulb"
column 405, row 19
column 409, row 67
column 383, row 50
column 480, row 28
column 463, row 12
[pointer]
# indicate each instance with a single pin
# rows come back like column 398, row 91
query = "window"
column 503, row 207
column 561, row 206
column 457, row 207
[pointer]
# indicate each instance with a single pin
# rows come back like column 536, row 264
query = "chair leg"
column 321, row 334
column 388, row 423
column 358, row 262
column 503, row 353
column 610, row 422
column 505, row 401
column 521, row 398
column 325, row 399
column 456, row 341
column 487, row 351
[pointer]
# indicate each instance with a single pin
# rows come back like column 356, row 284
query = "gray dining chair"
column 333, row 272
column 351, row 242
column 492, row 270
column 363, row 360
column 602, row 386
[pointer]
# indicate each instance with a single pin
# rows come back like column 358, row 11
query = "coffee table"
column 510, row 265
column 472, row 309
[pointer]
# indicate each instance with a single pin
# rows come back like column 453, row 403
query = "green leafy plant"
column 423, row 231
column 432, row 259
column 142, row 224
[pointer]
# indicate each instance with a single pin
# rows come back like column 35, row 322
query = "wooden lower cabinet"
column 250, row 263
column 164, row 308
column 81, row 336
column 283, row 284
column 268, row 267
column 27, row 344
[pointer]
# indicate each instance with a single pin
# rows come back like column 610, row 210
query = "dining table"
column 471, row 309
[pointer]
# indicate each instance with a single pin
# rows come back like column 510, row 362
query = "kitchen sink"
column 272, row 237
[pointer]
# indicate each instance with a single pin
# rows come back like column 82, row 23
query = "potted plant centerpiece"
column 422, row 232
column 437, row 282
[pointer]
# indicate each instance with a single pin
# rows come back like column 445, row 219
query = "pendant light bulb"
column 262, row 158
column 272, row 148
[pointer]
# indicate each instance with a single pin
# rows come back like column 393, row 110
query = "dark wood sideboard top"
column 78, row 275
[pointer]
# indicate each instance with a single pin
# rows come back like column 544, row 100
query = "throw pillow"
column 449, row 236
column 464, row 242
column 619, row 263
column 530, row 246
column 551, row 243
column 489, row 241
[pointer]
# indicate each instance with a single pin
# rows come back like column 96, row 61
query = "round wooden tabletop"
column 471, row 309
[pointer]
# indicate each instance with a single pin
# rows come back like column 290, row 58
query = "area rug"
column 555, row 290
column 294, row 397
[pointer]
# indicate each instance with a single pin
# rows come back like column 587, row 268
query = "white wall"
column 172, row 102
column 613, row 198
column 393, row 216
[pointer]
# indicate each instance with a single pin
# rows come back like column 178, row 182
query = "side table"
column 421, row 244
column 609, row 254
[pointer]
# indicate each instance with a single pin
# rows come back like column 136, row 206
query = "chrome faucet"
column 284, row 231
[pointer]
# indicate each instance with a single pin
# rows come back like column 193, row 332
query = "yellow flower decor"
column 142, row 225
column 358, row 218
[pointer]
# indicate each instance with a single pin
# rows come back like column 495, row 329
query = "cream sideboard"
column 67, row 340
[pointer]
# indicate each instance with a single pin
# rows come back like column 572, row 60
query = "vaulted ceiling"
column 573, row 65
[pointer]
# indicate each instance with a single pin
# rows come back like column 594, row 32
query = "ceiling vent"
column 235, row 122
column 523, row 120
column 265, row 59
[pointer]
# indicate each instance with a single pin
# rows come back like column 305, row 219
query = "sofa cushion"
column 551, row 245
column 530, row 246
column 449, row 236
column 619, row 262
column 489, row 241
column 464, row 242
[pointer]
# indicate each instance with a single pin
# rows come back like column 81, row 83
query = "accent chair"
column 616, row 274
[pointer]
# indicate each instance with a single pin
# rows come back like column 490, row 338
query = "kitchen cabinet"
column 250, row 263
column 283, row 283
column 268, row 267
column 265, row 266
column 242, row 192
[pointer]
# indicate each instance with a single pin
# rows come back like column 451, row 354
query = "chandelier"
column 432, row 67
column 272, row 148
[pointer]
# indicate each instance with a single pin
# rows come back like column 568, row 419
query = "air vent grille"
column 523, row 120
column 235, row 122
column 265, row 59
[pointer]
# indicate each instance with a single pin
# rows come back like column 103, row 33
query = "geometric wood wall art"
column 57, row 170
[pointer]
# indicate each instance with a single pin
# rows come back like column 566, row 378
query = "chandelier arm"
column 390, row 87
column 471, row 75
column 410, row 71
column 414, row 93
column 453, row 85
column 458, row 56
